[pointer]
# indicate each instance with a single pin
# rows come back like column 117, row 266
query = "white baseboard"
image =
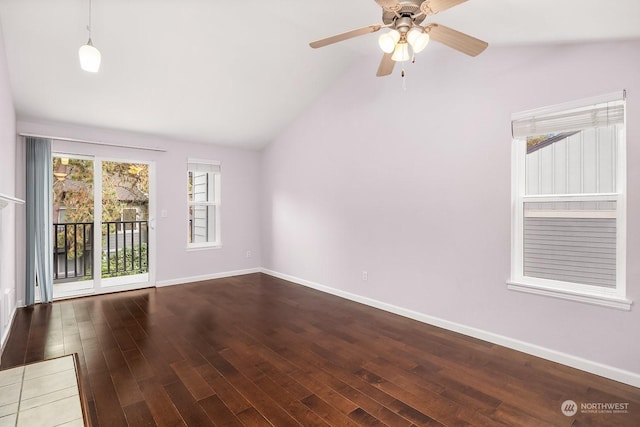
column 191, row 279
column 606, row 371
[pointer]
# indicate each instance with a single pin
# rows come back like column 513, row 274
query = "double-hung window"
column 569, row 201
column 204, row 204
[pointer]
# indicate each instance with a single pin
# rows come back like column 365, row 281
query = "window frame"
column 598, row 295
column 216, row 174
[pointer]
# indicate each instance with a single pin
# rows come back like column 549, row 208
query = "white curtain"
column 39, row 192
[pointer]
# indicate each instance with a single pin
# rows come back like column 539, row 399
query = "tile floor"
column 41, row 394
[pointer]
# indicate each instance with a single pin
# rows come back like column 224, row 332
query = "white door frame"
column 118, row 284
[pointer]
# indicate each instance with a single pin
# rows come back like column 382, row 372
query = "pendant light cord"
column 89, row 26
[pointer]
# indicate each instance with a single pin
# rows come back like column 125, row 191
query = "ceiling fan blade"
column 389, row 5
column 456, row 40
column 345, row 36
column 431, row 7
column 386, row 65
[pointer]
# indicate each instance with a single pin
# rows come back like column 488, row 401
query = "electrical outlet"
column 365, row 275
column 164, row 213
column 248, row 254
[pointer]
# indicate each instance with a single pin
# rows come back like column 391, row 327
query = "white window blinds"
column 203, row 166
column 592, row 113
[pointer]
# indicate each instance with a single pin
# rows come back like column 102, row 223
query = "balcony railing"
column 72, row 251
column 124, row 250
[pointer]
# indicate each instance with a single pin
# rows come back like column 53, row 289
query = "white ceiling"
column 236, row 72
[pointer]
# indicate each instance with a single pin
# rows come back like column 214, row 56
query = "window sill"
column 601, row 300
column 203, row 247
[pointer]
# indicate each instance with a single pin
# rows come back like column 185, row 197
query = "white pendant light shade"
column 418, row 39
column 401, row 52
column 89, row 57
column 387, row 41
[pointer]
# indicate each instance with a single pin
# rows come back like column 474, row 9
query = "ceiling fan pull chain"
column 404, row 80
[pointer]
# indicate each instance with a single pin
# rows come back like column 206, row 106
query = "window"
column 62, row 215
column 569, row 201
column 204, row 204
column 129, row 217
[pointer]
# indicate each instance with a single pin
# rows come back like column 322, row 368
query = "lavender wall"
column 7, row 183
column 414, row 187
column 240, row 222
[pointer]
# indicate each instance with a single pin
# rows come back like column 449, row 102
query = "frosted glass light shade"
column 401, row 52
column 387, row 41
column 89, row 57
column 418, row 39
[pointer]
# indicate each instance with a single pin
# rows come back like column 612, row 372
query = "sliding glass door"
column 125, row 223
column 101, row 226
column 73, row 225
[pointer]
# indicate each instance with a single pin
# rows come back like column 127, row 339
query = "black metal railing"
column 73, row 251
column 124, row 250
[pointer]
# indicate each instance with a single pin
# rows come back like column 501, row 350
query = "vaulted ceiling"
column 237, row 72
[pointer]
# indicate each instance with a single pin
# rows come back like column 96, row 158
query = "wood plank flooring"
column 258, row 351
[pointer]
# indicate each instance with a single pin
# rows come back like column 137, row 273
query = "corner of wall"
column 8, row 215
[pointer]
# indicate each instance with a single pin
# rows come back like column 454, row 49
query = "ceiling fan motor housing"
column 406, row 9
column 403, row 24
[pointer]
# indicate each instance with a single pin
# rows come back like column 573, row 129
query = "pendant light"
column 89, row 56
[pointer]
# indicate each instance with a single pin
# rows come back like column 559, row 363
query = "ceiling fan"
column 405, row 17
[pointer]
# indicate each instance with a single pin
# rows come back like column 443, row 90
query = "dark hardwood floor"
column 254, row 350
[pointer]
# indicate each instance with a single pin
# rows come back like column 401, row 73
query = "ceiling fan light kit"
column 405, row 18
column 401, row 52
column 418, row 39
column 388, row 41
